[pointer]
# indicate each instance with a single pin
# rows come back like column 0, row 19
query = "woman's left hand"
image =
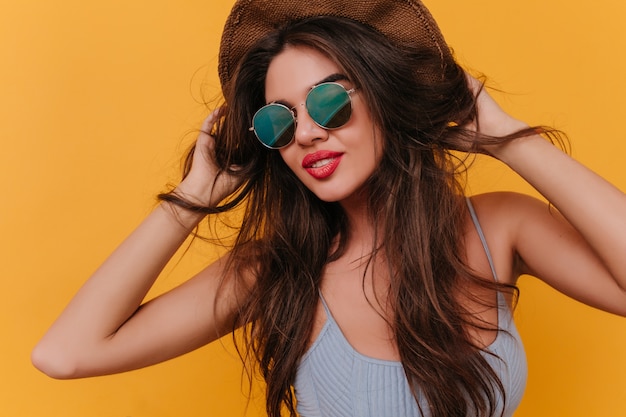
column 492, row 120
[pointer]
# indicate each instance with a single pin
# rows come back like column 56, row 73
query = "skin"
column 290, row 76
column 578, row 250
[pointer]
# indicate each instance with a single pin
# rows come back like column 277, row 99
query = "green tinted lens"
column 274, row 125
column 329, row 105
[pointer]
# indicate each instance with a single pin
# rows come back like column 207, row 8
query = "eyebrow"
column 332, row 78
column 329, row 79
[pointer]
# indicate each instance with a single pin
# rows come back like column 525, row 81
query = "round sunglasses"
column 328, row 104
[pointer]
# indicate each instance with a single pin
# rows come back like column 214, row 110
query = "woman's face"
column 333, row 164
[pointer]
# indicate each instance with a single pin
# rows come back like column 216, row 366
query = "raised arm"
column 105, row 329
column 580, row 249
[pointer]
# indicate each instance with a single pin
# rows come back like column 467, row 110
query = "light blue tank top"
column 334, row 380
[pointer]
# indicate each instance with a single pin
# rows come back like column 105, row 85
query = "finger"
column 205, row 139
column 209, row 121
column 474, row 83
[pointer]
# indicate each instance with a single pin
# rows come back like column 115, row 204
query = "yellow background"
column 97, row 99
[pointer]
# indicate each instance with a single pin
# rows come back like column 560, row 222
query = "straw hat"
column 402, row 21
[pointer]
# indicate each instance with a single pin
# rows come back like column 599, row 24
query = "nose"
column 307, row 131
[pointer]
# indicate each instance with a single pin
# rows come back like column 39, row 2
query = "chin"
column 329, row 198
column 338, row 195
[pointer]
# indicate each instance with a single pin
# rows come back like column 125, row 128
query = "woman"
column 362, row 276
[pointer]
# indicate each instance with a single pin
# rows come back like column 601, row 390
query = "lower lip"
column 326, row 170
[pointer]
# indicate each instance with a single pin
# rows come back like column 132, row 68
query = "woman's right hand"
column 206, row 184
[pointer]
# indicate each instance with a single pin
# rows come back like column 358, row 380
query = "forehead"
column 293, row 72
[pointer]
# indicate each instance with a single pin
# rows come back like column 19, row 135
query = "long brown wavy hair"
column 287, row 235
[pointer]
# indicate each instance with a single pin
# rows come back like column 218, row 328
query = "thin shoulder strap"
column 481, row 235
column 329, row 315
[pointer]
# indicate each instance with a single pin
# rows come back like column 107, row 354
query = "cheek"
column 366, row 128
column 376, row 145
column 288, row 155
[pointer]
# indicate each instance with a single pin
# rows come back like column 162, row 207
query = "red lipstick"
column 321, row 164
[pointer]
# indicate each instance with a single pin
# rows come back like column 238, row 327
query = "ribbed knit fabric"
column 334, row 380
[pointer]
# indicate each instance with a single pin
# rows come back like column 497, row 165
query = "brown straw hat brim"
column 402, row 21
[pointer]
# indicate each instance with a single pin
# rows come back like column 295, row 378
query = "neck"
column 360, row 221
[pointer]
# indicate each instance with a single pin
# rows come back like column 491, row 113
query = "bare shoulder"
column 529, row 237
column 504, row 204
column 501, row 216
column 506, row 212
